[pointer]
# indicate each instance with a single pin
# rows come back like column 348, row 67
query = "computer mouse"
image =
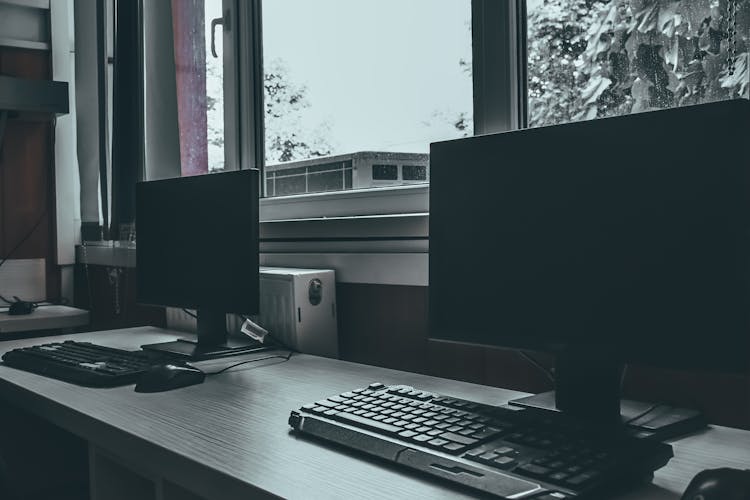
column 719, row 484
column 168, row 376
column 20, row 307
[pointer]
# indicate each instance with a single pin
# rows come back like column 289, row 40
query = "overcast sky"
column 376, row 70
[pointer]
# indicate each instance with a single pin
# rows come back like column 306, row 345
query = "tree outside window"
column 598, row 58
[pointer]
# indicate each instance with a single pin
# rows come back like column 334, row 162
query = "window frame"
column 499, row 103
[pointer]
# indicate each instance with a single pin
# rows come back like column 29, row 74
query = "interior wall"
column 27, row 180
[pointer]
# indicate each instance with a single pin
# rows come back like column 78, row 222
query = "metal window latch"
column 225, row 23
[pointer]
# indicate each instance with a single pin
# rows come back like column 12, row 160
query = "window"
column 371, row 82
column 597, row 58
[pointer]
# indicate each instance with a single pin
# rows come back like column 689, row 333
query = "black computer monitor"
column 197, row 248
column 612, row 241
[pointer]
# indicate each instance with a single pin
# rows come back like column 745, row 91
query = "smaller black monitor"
column 197, row 248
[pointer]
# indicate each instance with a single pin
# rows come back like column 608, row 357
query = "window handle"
column 224, row 21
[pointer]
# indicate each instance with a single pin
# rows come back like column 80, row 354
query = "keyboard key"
column 376, row 386
column 453, row 448
column 368, row 423
column 325, row 402
column 422, row 438
column 435, row 432
column 431, row 422
column 423, row 429
column 489, row 456
column 442, row 426
column 580, row 479
column 450, row 436
column 401, row 423
column 411, row 425
column 437, row 442
column 534, row 470
column 558, row 477
column 504, row 450
column 407, row 434
column 419, row 420
column 504, row 462
column 466, row 432
column 486, row 433
column 454, row 428
column 474, row 453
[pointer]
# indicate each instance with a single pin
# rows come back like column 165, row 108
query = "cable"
column 194, row 316
column 547, row 372
column 644, row 413
column 285, row 358
column 23, row 240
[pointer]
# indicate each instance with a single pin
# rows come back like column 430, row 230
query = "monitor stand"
column 212, row 342
column 588, row 388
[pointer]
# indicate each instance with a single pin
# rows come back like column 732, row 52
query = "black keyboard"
column 83, row 363
column 509, row 453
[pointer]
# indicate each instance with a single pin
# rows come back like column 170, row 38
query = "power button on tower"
column 315, row 291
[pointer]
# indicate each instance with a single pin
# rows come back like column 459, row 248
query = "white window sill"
column 374, row 201
column 387, row 249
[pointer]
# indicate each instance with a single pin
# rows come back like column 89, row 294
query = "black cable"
column 547, row 372
column 5, row 300
column 195, row 316
column 23, row 240
column 285, row 358
column 643, row 413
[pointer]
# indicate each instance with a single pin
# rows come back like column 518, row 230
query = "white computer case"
column 297, row 306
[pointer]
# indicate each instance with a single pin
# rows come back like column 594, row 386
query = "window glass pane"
column 363, row 79
column 214, row 88
column 597, row 58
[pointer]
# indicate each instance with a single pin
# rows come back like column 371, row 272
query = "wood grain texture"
column 229, row 437
column 43, row 318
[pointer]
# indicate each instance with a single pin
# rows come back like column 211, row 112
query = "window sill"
column 375, row 249
column 391, row 200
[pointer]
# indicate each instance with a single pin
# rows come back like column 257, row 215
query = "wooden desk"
column 229, row 438
column 44, row 317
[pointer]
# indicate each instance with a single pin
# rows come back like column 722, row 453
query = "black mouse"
column 719, row 484
column 168, row 376
column 20, row 307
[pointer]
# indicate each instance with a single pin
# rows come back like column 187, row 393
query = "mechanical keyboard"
column 83, row 363
column 506, row 452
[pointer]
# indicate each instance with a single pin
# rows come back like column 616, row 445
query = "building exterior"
column 365, row 169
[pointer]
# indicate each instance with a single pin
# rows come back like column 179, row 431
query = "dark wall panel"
column 387, row 326
column 27, row 181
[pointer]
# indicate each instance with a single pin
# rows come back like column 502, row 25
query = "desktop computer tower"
column 297, row 306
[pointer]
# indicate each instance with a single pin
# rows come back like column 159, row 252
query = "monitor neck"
column 588, row 385
column 212, row 327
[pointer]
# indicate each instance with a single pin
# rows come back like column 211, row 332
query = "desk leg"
column 112, row 479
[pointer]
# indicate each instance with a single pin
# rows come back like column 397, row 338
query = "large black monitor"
column 197, row 248
column 619, row 240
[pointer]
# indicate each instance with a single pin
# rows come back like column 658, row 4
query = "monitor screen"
column 197, row 242
column 630, row 234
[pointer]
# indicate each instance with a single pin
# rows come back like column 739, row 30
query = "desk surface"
column 44, row 317
column 230, row 434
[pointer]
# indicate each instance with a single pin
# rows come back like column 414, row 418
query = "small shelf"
column 33, row 96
